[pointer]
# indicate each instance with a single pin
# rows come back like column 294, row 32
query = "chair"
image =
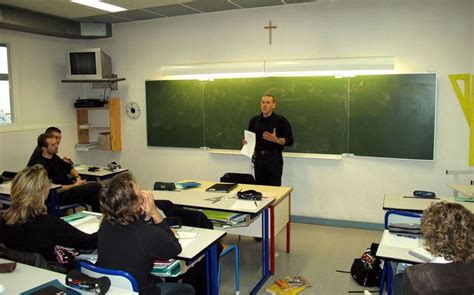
column 432, row 278
column 238, row 178
column 387, row 272
column 56, row 209
column 228, row 249
column 118, row 278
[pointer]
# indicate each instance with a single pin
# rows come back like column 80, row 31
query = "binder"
column 221, row 187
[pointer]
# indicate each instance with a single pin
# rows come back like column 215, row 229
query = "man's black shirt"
column 57, row 169
column 259, row 124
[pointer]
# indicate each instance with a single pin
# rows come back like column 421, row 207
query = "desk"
column 396, row 248
column 280, row 211
column 26, row 277
column 202, row 200
column 398, row 202
column 393, row 247
column 465, row 189
column 102, row 174
column 204, row 243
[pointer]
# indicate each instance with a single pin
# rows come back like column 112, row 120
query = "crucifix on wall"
column 270, row 28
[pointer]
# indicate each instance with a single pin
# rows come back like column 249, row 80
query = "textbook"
column 221, row 187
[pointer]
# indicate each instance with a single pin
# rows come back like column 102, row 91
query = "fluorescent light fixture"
column 99, row 5
column 344, row 66
column 331, row 64
column 214, row 68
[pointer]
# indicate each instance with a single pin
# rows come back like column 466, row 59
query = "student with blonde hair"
column 26, row 225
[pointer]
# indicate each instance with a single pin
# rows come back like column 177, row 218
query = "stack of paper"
column 226, row 219
column 86, row 146
column 169, row 268
column 461, row 198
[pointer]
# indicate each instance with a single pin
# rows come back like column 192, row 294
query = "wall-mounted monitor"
column 86, row 64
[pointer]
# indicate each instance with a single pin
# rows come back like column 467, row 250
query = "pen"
column 410, row 237
column 256, row 205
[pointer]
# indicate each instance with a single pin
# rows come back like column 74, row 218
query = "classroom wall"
column 40, row 99
column 433, row 35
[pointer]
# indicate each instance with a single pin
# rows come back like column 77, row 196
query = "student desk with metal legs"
column 408, row 203
column 203, row 244
column 103, row 173
column 279, row 214
column 226, row 202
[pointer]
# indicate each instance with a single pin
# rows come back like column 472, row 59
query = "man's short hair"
column 43, row 139
column 270, row 95
column 52, row 129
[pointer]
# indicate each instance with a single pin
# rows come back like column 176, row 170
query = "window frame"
column 8, row 77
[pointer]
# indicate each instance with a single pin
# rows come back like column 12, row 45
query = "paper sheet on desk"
column 248, row 148
column 186, row 238
column 244, row 205
column 403, row 242
column 88, row 224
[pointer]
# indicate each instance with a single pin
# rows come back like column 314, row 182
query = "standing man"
column 272, row 132
column 74, row 190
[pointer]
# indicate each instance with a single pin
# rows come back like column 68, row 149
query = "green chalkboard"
column 392, row 116
column 174, row 113
column 382, row 116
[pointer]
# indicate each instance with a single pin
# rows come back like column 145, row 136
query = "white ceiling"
column 140, row 9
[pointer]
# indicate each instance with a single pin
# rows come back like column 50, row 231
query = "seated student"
column 448, row 230
column 77, row 191
column 37, row 152
column 27, row 227
column 127, row 242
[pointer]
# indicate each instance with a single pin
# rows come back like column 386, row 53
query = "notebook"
column 221, row 187
column 422, row 254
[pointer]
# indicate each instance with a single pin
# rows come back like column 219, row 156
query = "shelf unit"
column 113, row 110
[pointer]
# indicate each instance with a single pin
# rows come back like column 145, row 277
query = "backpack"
column 366, row 270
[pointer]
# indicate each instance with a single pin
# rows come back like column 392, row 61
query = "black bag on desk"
column 366, row 270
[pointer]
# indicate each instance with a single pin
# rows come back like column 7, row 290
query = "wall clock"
column 133, row 110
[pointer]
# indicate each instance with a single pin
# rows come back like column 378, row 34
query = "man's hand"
column 244, row 142
column 68, row 160
column 149, row 207
column 80, row 181
column 272, row 137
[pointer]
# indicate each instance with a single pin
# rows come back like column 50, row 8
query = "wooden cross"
column 269, row 28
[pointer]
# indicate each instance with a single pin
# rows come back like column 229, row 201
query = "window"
column 5, row 97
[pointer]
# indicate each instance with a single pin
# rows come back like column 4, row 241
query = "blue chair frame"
column 387, row 272
column 58, row 210
column 107, row 271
